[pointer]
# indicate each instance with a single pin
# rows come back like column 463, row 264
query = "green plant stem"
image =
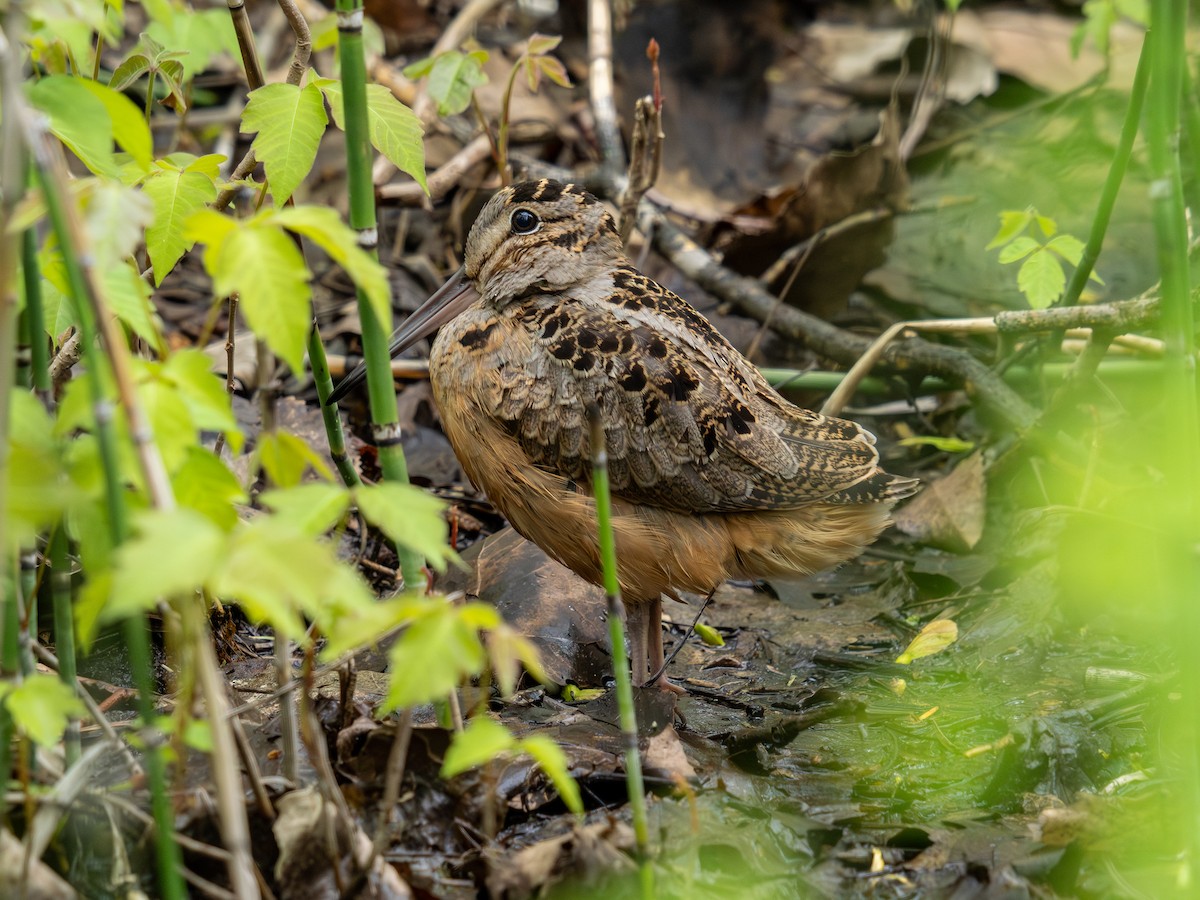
column 1181, row 450
column 35, row 316
column 1112, row 183
column 64, row 628
column 168, row 854
column 384, row 419
column 616, row 635
column 333, row 421
column 502, row 136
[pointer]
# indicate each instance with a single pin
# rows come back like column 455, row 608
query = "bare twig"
column 600, row 84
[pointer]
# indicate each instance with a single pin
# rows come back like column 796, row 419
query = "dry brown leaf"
column 950, row 512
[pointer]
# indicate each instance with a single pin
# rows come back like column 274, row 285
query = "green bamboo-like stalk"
column 384, row 419
column 333, row 421
column 1181, row 450
column 616, row 636
column 168, row 854
column 35, row 316
column 1112, row 183
column 64, row 628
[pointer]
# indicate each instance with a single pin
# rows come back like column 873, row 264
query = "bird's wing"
column 690, row 424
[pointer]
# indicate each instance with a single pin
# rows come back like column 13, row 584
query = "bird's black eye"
column 524, row 222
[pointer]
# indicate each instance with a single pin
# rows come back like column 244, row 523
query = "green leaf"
column 134, row 67
column 933, row 638
column 1068, row 247
column 285, row 458
column 41, row 705
column 311, row 508
column 394, row 129
column 262, row 264
column 203, row 393
column 946, row 444
column 202, row 34
column 553, row 761
column 174, row 195
column 420, row 68
column 77, row 118
column 453, row 79
column 174, row 431
column 507, row 648
column 205, row 484
column 432, row 657
column 483, row 740
column 281, row 575
column 410, row 517
column 709, row 635
column 324, row 227
column 363, row 625
column 290, row 121
column 1019, row 249
column 1012, row 223
column 37, row 490
column 1041, row 279
column 129, row 127
column 172, row 553
column 128, row 297
column 1047, row 224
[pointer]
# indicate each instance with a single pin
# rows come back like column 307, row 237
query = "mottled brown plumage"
column 714, row 475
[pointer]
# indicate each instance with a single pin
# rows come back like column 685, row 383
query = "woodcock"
column 714, row 475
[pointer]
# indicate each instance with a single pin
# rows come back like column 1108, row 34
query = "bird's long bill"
column 446, row 303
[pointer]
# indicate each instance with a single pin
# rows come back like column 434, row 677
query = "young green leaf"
column 432, row 656
column 1012, row 223
column 37, row 490
column 262, row 265
column 409, row 516
column 553, row 761
column 172, row 553
column 945, row 444
column 285, row 458
column 454, row 78
column 290, row 121
column 324, row 227
column 1041, row 279
column 1019, row 248
column 312, row 508
column 393, row 129
column 205, row 484
column 933, row 638
column 41, row 705
column 175, row 195
column 483, row 740
column 202, row 392
column 508, row 650
column 129, row 127
column 128, row 296
column 77, row 118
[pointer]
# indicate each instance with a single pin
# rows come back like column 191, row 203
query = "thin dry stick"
column 253, row 772
column 600, row 84
column 983, row 325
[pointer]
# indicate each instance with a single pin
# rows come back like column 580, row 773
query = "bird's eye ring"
column 524, row 222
